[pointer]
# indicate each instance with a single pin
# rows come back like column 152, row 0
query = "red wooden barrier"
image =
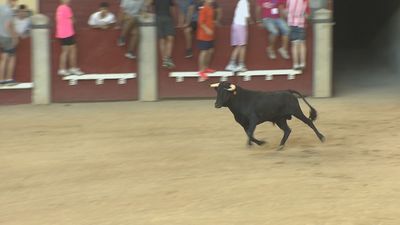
column 98, row 53
column 22, row 74
column 256, row 60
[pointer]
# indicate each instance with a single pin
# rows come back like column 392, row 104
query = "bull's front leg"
column 250, row 133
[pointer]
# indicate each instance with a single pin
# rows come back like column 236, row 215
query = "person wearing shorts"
column 165, row 30
column 298, row 11
column 270, row 14
column 131, row 9
column 8, row 43
column 239, row 35
column 190, row 26
column 65, row 33
column 205, row 37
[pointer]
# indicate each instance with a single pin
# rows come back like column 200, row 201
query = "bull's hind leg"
column 300, row 115
column 286, row 132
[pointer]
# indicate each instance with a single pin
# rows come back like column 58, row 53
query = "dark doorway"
column 363, row 46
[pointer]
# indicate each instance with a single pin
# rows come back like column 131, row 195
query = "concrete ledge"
column 17, row 86
column 181, row 75
column 246, row 75
column 269, row 74
column 99, row 78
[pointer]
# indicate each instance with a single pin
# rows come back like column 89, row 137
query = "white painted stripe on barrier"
column 99, row 78
column 17, row 86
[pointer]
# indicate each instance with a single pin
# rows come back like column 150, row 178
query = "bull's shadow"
column 251, row 108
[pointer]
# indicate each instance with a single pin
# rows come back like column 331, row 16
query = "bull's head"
column 225, row 91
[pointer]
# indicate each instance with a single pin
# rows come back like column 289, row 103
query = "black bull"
column 251, row 108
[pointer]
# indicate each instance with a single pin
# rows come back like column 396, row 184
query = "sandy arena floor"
column 186, row 163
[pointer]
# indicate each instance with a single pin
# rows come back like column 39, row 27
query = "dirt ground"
column 186, row 163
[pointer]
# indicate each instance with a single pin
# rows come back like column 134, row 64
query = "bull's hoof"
column 260, row 143
column 280, row 148
column 322, row 138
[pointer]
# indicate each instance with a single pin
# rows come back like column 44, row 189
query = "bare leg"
column 209, row 56
column 235, row 53
column 188, row 37
column 202, row 60
column 73, row 51
column 272, row 41
column 3, row 61
column 127, row 27
column 169, row 46
column 162, row 47
column 303, row 53
column 295, row 53
column 242, row 54
column 285, row 42
column 134, row 39
column 64, row 57
column 10, row 67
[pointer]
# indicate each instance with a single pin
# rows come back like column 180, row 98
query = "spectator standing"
column 298, row 11
column 165, row 30
column 239, row 34
column 103, row 18
column 186, row 9
column 183, row 6
column 22, row 21
column 205, row 37
column 8, row 42
column 191, row 21
column 131, row 11
column 270, row 14
column 66, row 34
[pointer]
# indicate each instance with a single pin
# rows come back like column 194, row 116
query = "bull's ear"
column 232, row 87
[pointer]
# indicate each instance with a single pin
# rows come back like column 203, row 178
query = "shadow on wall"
column 387, row 43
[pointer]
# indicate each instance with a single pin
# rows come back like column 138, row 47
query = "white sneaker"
column 241, row 68
column 231, row 67
column 271, row 53
column 63, row 73
column 130, row 55
column 283, row 53
column 75, row 71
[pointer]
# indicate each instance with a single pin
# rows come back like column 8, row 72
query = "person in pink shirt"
column 297, row 13
column 270, row 14
column 65, row 33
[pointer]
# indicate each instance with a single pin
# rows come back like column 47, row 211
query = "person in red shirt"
column 271, row 15
column 205, row 37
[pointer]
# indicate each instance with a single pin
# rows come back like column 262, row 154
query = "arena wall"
column 99, row 54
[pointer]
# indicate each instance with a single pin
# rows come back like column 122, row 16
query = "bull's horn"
column 232, row 88
column 214, row 85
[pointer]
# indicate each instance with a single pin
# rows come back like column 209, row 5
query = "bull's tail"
column 313, row 112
